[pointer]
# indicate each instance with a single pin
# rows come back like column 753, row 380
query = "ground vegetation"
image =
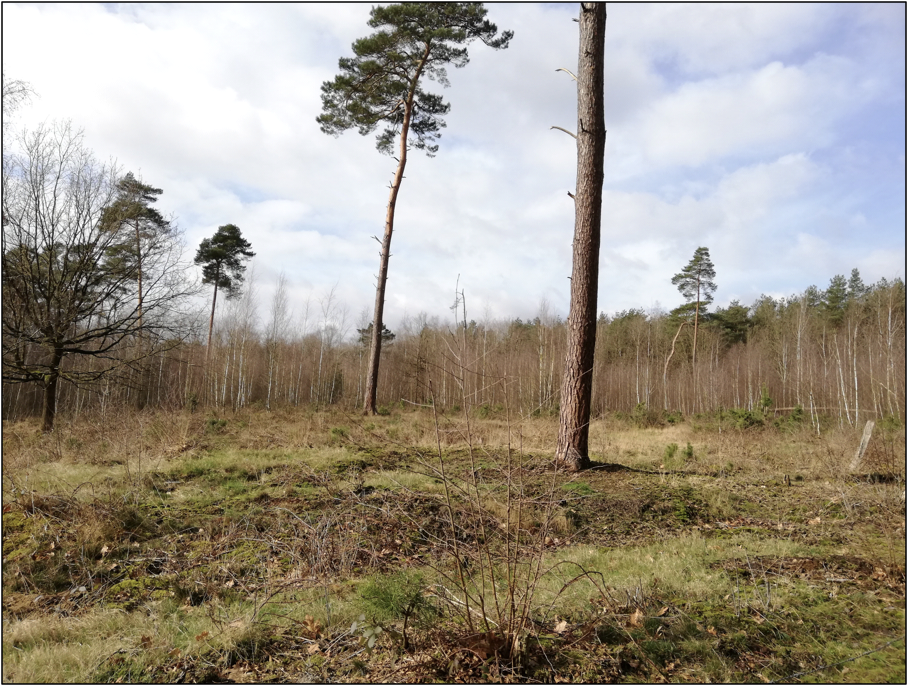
column 420, row 545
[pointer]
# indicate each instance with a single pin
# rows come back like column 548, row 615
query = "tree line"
column 828, row 355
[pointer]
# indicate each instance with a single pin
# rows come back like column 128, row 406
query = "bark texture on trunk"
column 577, row 385
column 693, row 360
column 50, row 392
column 377, row 322
column 214, row 302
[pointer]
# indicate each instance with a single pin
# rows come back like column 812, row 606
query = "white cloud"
column 730, row 125
column 755, row 113
column 716, row 38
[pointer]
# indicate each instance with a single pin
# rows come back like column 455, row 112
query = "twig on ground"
column 798, row 675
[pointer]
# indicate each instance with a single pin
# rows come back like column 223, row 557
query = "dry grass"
column 255, row 531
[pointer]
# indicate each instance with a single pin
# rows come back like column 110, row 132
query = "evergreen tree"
column 734, row 321
column 221, row 259
column 381, row 86
column 682, row 314
column 145, row 232
column 697, row 285
column 856, row 287
column 812, row 297
column 365, row 335
column 834, row 299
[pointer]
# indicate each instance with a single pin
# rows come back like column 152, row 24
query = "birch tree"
column 278, row 326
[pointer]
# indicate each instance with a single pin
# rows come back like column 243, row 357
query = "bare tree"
column 577, row 383
column 243, row 319
column 276, row 334
column 15, row 93
column 66, row 293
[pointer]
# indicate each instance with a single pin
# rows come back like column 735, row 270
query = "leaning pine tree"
column 380, row 85
column 577, row 385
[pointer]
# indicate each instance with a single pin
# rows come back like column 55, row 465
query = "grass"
column 313, row 546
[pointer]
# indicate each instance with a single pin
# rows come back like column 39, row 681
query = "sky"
column 772, row 134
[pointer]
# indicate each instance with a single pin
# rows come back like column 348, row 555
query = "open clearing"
column 316, row 546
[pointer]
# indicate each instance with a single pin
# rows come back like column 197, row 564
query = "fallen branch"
column 797, row 675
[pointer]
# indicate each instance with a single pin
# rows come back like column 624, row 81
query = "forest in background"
column 99, row 313
column 835, row 355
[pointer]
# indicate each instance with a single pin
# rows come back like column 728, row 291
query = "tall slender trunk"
column 318, row 382
column 841, row 379
column 876, row 396
column 890, row 360
column 270, row 383
column 228, row 370
column 802, row 322
column 299, row 380
column 750, row 372
column 359, row 376
column 854, row 364
column 542, row 396
column 649, row 355
column 214, row 302
column 139, row 256
column 375, row 349
column 241, row 383
column 696, row 323
column 665, row 368
column 483, row 372
column 187, row 389
column 577, row 383
column 160, row 379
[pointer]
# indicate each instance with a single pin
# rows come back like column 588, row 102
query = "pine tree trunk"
column 693, row 360
column 214, row 302
column 377, row 321
column 577, row 385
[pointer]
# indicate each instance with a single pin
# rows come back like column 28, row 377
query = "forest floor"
column 303, row 546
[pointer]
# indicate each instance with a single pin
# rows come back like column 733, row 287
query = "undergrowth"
column 302, row 546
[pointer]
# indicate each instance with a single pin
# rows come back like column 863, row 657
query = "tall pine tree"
column 697, row 284
column 382, row 86
column 221, row 259
column 143, row 228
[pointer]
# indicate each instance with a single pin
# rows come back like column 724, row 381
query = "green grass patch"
column 578, row 488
